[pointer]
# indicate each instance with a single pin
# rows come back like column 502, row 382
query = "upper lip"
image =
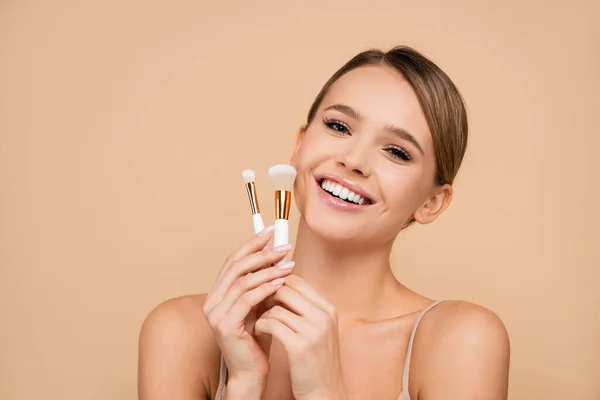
column 345, row 183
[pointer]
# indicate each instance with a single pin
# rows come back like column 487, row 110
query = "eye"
column 337, row 126
column 398, row 153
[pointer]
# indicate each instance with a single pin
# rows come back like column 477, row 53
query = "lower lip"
column 336, row 203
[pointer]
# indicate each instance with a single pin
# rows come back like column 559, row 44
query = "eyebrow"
column 394, row 130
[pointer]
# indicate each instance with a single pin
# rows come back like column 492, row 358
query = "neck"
column 356, row 282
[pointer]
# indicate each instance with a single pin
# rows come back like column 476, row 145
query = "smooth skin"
column 338, row 326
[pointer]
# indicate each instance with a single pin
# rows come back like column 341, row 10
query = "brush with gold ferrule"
column 282, row 177
column 257, row 220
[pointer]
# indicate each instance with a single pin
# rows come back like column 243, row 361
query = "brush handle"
column 258, row 223
column 281, row 233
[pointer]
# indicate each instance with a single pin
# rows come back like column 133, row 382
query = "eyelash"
column 330, row 123
column 394, row 151
column 399, row 153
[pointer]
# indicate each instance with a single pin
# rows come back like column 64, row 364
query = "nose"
column 354, row 158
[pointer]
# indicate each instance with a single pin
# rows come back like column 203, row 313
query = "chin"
column 331, row 229
column 341, row 231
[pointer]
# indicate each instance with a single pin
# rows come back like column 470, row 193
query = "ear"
column 299, row 137
column 435, row 205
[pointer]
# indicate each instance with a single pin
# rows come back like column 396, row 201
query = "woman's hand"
column 307, row 326
column 231, row 308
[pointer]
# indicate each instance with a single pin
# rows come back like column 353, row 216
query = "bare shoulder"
column 465, row 349
column 464, row 321
column 178, row 357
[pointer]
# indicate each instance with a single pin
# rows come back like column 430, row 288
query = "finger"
column 277, row 329
column 297, row 303
column 310, row 293
column 263, row 341
column 242, row 267
column 244, row 304
column 289, row 319
column 243, row 285
column 267, row 304
column 256, row 243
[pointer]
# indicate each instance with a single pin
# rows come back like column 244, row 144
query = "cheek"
column 403, row 188
column 308, row 156
column 313, row 150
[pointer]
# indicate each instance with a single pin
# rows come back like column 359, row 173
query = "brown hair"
column 440, row 101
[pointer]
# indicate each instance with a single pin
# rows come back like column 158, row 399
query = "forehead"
column 383, row 96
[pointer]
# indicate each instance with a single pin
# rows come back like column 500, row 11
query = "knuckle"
column 244, row 282
column 223, row 328
column 262, row 324
column 282, row 294
column 267, row 291
column 265, row 255
column 254, row 244
column 238, row 287
column 256, row 240
column 245, row 300
column 276, row 310
column 267, row 287
column 213, row 321
column 282, row 291
column 237, row 268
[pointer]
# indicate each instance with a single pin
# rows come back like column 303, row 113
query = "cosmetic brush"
column 257, row 220
column 282, row 177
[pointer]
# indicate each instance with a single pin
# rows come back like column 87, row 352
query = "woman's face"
column 366, row 164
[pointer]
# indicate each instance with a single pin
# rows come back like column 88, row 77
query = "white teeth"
column 337, row 189
column 342, row 192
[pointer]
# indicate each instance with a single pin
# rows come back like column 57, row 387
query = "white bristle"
column 248, row 175
column 282, row 177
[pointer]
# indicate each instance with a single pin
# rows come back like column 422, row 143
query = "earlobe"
column 435, row 205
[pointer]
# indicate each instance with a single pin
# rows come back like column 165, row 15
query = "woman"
column 387, row 133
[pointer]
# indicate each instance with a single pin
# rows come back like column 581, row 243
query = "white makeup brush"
column 257, row 220
column 282, row 177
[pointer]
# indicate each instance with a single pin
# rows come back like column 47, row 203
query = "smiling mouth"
column 338, row 191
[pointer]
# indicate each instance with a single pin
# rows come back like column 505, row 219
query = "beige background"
column 124, row 127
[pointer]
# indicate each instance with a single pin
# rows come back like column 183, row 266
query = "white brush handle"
column 281, row 233
column 258, row 223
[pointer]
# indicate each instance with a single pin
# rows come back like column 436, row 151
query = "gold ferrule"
column 253, row 197
column 283, row 200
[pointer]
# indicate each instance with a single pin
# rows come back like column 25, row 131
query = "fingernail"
column 266, row 231
column 286, row 265
column 282, row 248
column 277, row 281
